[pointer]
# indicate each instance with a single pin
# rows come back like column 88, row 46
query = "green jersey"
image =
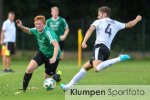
column 59, row 25
column 45, row 39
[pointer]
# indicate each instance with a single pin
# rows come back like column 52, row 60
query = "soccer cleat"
column 57, row 77
column 4, row 70
column 22, row 90
column 59, row 72
column 10, row 70
column 124, row 57
column 64, row 87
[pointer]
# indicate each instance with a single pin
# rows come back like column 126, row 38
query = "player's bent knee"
column 31, row 67
column 29, row 70
column 86, row 68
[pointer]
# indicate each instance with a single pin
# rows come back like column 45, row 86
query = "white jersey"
column 9, row 29
column 106, row 29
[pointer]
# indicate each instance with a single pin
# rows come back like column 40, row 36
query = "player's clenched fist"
column 84, row 45
column 52, row 60
column 139, row 18
column 19, row 23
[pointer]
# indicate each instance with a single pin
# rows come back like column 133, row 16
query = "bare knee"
column 95, row 64
column 87, row 68
column 31, row 67
column 29, row 70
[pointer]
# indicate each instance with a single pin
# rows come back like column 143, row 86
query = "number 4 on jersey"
column 108, row 30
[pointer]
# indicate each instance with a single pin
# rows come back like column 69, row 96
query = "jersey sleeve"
column 32, row 30
column 65, row 23
column 120, row 25
column 51, row 36
column 95, row 23
column 4, row 26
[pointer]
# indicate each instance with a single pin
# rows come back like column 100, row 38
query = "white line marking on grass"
column 7, row 73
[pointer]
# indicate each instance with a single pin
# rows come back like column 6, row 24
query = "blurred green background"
column 80, row 14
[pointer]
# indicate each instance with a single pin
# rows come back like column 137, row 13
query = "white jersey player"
column 106, row 30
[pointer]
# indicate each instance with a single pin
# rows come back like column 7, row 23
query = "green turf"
column 125, row 73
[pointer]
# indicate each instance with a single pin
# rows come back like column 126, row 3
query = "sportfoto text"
column 108, row 92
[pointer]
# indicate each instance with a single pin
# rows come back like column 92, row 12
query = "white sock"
column 107, row 63
column 77, row 77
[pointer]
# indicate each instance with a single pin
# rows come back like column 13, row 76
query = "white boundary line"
column 8, row 73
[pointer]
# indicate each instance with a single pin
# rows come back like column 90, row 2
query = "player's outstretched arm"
column 132, row 23
column 56, row 47
column 23, row 28
column 87, row 36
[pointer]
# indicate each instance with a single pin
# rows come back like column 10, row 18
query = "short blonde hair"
column 40, row 17
column 55, row 8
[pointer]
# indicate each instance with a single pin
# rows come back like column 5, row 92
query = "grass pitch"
column 133, row 72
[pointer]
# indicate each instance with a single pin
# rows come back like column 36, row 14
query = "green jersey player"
column 59, row 25
column 48, row 53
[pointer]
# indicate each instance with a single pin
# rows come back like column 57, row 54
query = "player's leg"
column 98, row 56
column 28, row 74
column 4, row 48
column 50, row 70
column 110, row 62
column 11, row 48
column 87, row 66
column 8, row 45
column 31, row 67
column 8, row 60
column 95, row 63
column 101, row 57
column 4, row 63
column 37, row 61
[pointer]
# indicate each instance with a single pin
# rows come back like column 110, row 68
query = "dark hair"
column 11, row 12
column 105, row 9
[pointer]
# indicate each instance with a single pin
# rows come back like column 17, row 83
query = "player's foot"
column 59, row 72
column 64, row 87
column 124, row 57
column 22, row 90
column 4, row 70
column 57, row 76
column 10, row 70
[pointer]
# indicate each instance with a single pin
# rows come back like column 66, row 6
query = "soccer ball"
column 49, row 83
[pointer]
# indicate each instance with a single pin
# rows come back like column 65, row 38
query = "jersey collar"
column 9, row 21
column 55, row 19
column 43, row 30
